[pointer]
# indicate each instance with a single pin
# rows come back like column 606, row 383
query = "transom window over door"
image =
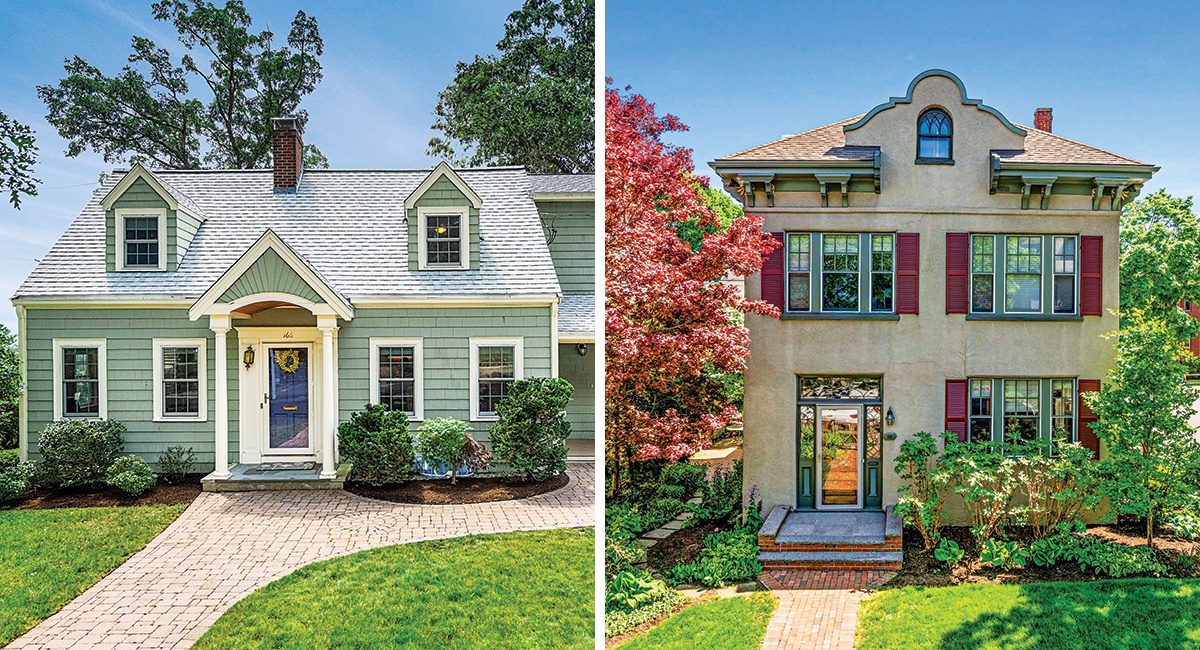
column 934, row 135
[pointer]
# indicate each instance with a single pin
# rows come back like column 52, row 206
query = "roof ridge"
column 346, row 169
column 793, row 135
column 1088, row 146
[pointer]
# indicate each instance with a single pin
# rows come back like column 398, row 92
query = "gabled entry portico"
column 286, row 380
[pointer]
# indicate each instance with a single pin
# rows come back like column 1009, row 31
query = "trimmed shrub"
column 440, row 442
column 377, row 442
column 533, row 429
column 176, row 462
column 9, row 458
column 15, row 479
column 131, row 474
column 79, row 452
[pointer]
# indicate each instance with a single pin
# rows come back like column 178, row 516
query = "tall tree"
column 534, row 104
column 149, row 114
column 1160, row 246
column 18, row 155
column 10, row 389
column 668, row 319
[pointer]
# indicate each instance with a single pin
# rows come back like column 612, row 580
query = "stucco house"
column 245, row 313
column 941, row 268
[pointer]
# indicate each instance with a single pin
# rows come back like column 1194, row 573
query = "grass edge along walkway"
column 733, row 623
column 52, row 556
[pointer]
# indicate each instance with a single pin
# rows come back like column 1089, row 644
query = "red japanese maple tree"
column 668, row 321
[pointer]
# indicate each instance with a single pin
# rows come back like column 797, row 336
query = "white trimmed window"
column 397, row 375
column 80, row 381
column 444, row 236
column 141, row 239
column 495, row 364
column 180, row 380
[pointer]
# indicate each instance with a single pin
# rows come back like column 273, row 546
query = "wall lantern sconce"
column 248, row 359
column 581, row 349
column 891, row 417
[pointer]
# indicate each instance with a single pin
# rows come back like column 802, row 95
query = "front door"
column 840, row 445
column 289, row 392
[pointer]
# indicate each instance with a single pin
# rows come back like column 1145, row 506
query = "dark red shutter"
column 956, row 407
column 1091, row 273
column 772, row 274
column 1087, row 437
column 908, row 272
column 958, row 260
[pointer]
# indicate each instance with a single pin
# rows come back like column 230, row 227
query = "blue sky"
column 384, row 64
column 741, row 74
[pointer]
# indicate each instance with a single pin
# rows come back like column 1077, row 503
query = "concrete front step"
column 841, row 560
column 242, row 481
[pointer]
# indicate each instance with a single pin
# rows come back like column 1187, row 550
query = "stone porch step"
column 240, row 481
column 839, row 560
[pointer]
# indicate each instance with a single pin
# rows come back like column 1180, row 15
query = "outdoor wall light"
column 891, row 417
column 581, row 349
column 248, row 359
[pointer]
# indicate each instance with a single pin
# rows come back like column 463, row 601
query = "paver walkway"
column 817, row 609
column 226, row 545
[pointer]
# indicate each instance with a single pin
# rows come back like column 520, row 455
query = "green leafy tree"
column 1160, row 246
column 440, row 442
column 18, row 155
column 10, row 389
column 723, row 206
column 1143, row 411
column 148, row 113
column 534, row 104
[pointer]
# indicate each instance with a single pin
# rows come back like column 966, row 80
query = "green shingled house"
column 245, row 313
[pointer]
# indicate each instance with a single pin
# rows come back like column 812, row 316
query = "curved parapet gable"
column 908, row 98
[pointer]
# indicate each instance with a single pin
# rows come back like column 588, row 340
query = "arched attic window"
column 935, row 136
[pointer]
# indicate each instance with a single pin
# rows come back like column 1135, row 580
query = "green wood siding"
column 180, row 228
column 442, row 194
column 581, row 372
column 270, row 273
column 574, row 247
column 128, row 334
column 446, row 333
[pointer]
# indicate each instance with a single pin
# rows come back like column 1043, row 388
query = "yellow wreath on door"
column 288, row 360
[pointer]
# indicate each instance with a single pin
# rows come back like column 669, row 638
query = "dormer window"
column 935, row 134
column 444, row 237
column 141, row 240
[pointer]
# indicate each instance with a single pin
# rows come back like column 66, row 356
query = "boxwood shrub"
column 377, row 442
column 79, row 452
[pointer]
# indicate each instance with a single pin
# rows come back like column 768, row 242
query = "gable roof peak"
column 443, row 170
column 176, row 200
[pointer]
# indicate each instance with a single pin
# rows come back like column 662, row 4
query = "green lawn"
column 514, row 590
column 737, row 623
column 1142, row 613
column 48, row 557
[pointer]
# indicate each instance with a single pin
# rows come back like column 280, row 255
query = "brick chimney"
column 287, row 150
column 1042, row 118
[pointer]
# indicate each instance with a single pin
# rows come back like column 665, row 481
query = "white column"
column 220, row 326
column 328, row 326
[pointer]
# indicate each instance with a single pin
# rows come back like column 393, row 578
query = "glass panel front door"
column 840, row 441
column 289, row 397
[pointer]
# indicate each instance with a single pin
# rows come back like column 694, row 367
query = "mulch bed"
column 681, row 547
column 922, row 568
column 466, row 490
column 79, row 497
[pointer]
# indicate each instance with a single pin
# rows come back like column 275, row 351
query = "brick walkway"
column 817, row 609
column 226, row 545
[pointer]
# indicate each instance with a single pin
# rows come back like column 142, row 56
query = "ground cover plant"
column 1141, row 613
column 737, row 623
column 52, row 556
column 513, row 590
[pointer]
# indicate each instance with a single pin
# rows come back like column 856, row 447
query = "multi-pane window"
column 398, row 378
column 799, row 263
column 1023, row 273
column 1022, row 406
column 141, row 242
column 497, row 371
column 1062, row 415
column 81, row 382
column 980, row 415
column 983, row 273
column 1064, row 275
column 180, row 382
column 934, row 133
column 882, row 269
column 839, row 277
column 443, row 239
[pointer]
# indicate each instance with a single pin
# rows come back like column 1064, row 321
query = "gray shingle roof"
column 349, row 225
column 577, row 315
column 562, row 183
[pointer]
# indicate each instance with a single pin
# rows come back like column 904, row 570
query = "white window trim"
column 418, row 346
column 464, row 214
column 101, row 367
column 517, row 344
column 119, row 223
column 202, row 345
